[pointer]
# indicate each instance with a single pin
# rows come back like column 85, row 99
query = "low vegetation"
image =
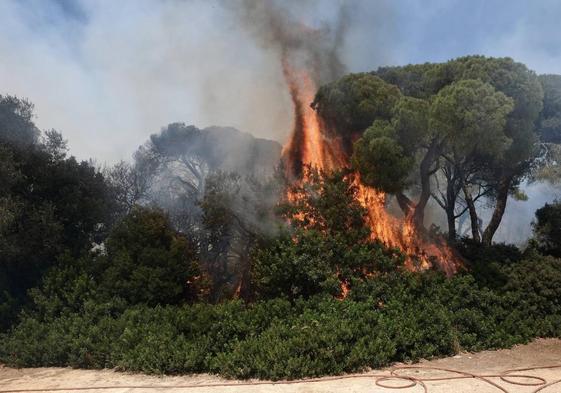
column 394, row 317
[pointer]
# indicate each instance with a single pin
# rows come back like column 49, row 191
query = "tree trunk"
column 451, row 223
column 426, row 163
column 500, row 206
column 449, row 208
column 452, row 190
column 472, row 215
column 405, row 204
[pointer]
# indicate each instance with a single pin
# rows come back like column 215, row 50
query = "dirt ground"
column 539, row 353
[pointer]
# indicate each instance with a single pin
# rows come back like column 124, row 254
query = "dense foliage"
column 50, row 204
column 329, row 248
column 550, row 118
column 397, row 317
column 455, row 132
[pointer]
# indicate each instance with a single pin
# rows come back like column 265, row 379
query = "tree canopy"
column 455, row 132
column 50, row 204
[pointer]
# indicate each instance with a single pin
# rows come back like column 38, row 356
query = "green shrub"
column 485, row 262
column 144, row 262
column 148, row 261
column 387, row 318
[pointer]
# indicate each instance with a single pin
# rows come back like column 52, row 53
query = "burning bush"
column 330, row 244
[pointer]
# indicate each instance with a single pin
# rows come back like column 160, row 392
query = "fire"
column 345, row 289
column 308, row 145
column 400, row 233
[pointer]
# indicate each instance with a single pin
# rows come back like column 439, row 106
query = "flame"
column 420, row 253
column 238, row 290
column 308, row 145
column 345, row 289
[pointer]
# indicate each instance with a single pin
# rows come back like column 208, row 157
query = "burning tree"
column 317, row 141
column 467, row 125
column 464, row 122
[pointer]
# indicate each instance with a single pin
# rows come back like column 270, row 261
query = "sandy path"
column 539, row 353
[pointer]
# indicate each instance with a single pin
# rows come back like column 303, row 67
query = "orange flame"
column 345, row 289
column 308, row 145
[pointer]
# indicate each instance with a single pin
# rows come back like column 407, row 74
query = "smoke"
column 107, row 74
column 286, row 29
column 309, row 52
column 516, row 226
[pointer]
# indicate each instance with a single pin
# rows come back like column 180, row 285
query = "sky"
column 107, row 74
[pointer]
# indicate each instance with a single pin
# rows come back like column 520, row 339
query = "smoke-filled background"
column 108, row 73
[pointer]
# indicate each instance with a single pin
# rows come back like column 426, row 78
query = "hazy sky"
column 107, row 73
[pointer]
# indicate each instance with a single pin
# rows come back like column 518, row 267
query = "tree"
column 471, row 116
column 238, row 212
column 53, row 205
column 178, row 161
column 420, row 80
column 406, row 137
column 148, row 262
column 547, row 229
column 16, row 122
column 522, row 85
column 548, row 165
column 49, row 203
column 499, row 98
column 350, row 104
column 549, row 130
column 549, row 123
column 512, row 79
column 381, row 160
column 54, row 144
column 128, row 187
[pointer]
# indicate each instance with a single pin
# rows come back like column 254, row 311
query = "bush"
column 485, row 262
column 144, row 262
column 387, row 318
column 329, row 247
column 293, row 269
column 148, row 261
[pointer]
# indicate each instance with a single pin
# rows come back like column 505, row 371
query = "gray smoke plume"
column 285, row 28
